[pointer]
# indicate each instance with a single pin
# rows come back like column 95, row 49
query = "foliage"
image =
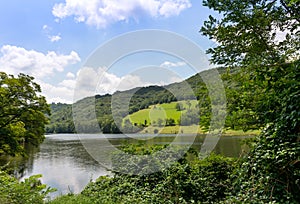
column 186, row 181
column 272, row 169
column 29, row 191
column 247, row 31
column 72, row 199
column 271, row 172
column 190, row 117
column 61, row 119
column 266, row 92
column 22, row 113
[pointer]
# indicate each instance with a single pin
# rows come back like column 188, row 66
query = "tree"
column 247, row 32
column 249, row 36
column 189, row 104
column 160, row 122
column 170, row 122
column 23, row 113
column 178, row 106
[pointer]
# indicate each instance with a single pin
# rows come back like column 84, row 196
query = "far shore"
column 195, row 129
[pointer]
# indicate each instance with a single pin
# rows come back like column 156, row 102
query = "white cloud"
column 168, row 64
column 110, row 83
column 175, row 79
column 173, row 8
column 101, row 13
column 48, row 32
column 54, row 38
column 91, row 81
column 70, row 75
column 45, row 27
column 68, row 83
column 63, row 92
column 17, row 59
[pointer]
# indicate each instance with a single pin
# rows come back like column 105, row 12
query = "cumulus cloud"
column 14, row 60
column 62, row 92
column 54, row 38
column 70, row 75
column 48, row 30
column 168, row 64
column 46, row 27
column 92, row 81
column 101, row 13
column 88, row 81
column 110, row 83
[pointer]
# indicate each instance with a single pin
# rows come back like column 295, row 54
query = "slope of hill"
column 162, row 112
column 109, row 119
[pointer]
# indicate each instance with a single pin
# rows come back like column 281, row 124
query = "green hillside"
column 161, row 111
column 140, row 98
column 153, row 105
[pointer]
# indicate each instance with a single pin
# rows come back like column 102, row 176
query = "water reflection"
column 19, row 166
column 66, row 165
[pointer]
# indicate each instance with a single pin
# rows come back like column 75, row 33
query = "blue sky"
column 52, row 40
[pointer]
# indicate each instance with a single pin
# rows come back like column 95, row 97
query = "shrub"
column 29, row 191
column 185, row 181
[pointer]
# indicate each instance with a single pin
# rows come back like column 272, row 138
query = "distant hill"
column 61, row 119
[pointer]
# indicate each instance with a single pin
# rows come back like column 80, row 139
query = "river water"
column 66, row 165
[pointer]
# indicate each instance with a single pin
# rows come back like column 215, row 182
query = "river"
column 66, row 165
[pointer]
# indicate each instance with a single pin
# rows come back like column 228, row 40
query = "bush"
column 26, row 192
column 71, row 199
column 186, row 181
column 271, row 171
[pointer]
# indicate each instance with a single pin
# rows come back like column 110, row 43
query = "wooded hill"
column 193, row 88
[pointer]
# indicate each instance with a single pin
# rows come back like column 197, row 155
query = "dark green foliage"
column 22, row 113
column 191, row 117
column 272, row 169
column 179, row 107
column 61, row 120
column 247, row 30
column 264, row 93
column 186, row 181
column 26, row 192
column 170, row 122
column 72, row 199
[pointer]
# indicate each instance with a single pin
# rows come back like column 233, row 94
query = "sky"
column 53, row 41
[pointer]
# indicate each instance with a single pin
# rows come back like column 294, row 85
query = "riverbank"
column 194, row 129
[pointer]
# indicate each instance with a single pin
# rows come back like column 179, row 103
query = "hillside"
column 141, row 100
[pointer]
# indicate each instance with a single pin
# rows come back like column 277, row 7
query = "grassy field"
column 162, row 111
column 174, row 129
column 168, row 110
